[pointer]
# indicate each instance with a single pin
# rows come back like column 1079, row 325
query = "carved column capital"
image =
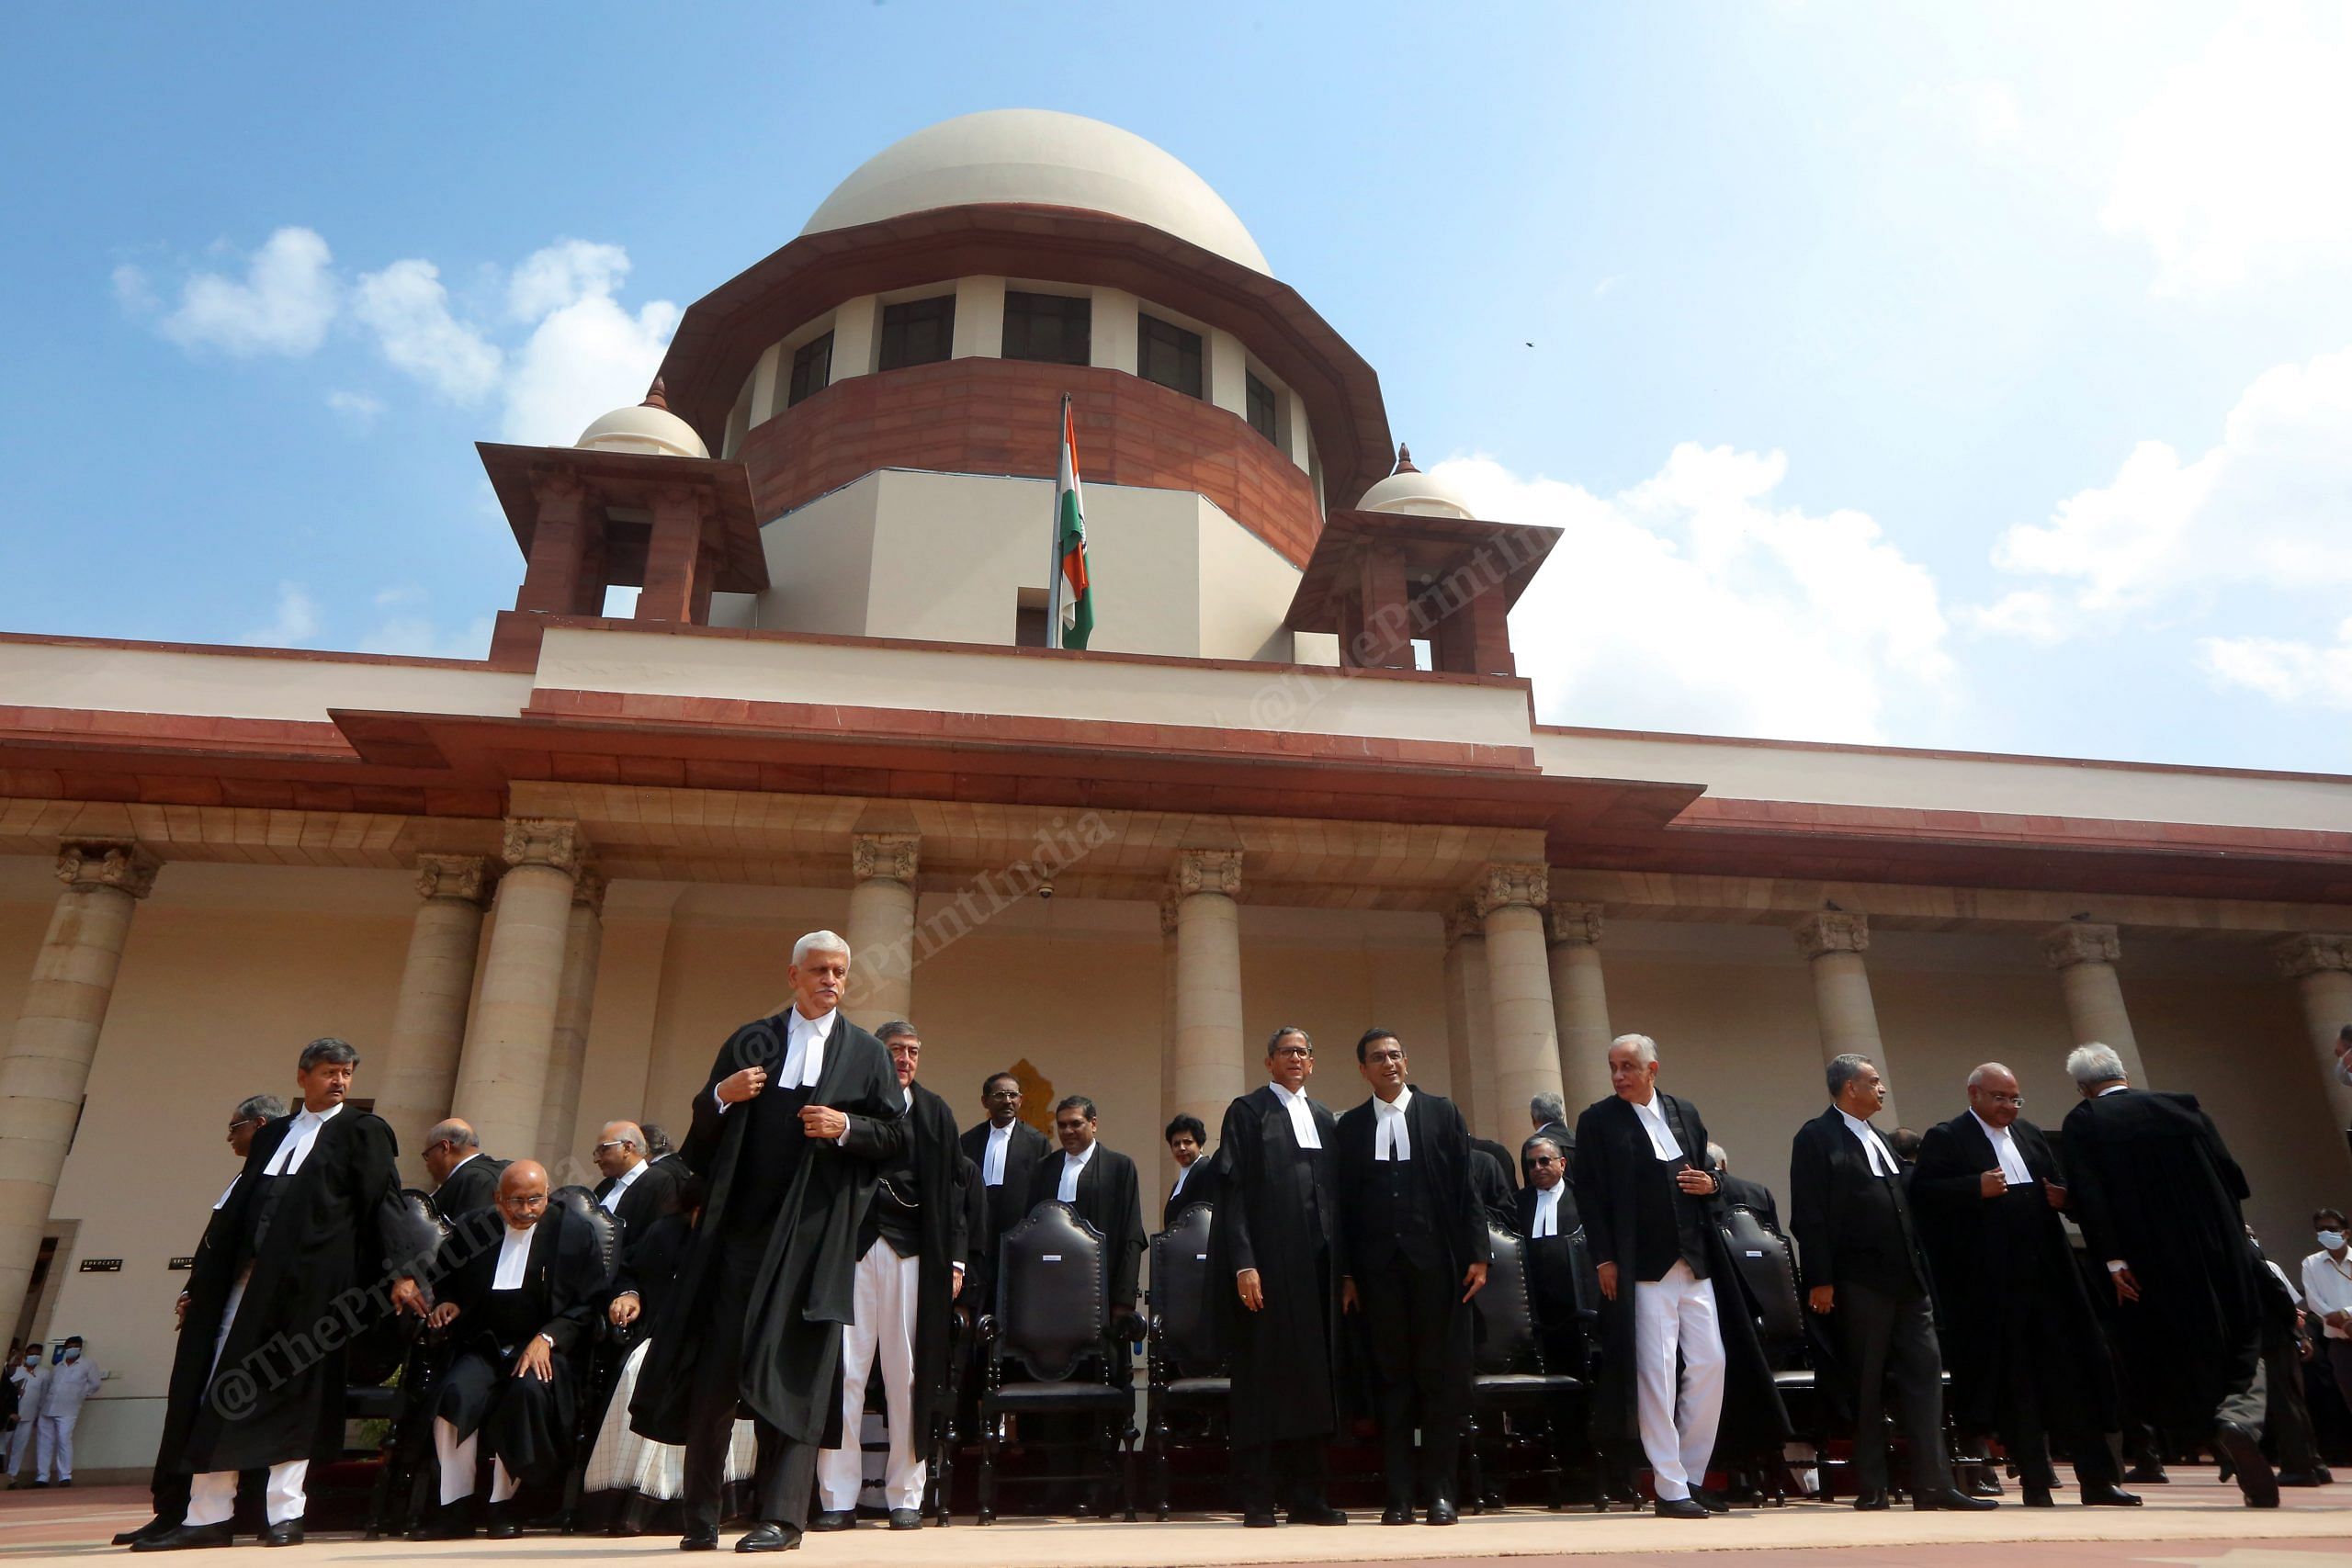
column 544, row 841
column 118, row 863
column 891, row 856
column 1207, row 871
column 2312, row 953
column 465, row 878
column 588, row 891
column 2079, row 942
column 1462, row 924
column 1576, row 924
column 1833, row 930
column 1501, row 884
column 554, row 488
column 1168, row 912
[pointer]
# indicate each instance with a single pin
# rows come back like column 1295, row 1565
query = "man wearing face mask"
column 30, row 1379
column 72, row 1381
column 2327, row 1294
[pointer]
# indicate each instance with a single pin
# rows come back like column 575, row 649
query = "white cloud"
column 2266, row 507
column 2296, row 673
column 133, row 292
column 587, row 354
column 408, row 309
column 418, row 636
column 2238, row 167
column 295, row 622
column 357, row 409
column 283, row 305
column 550, row 278
column 1984, row 113
column 1693, row 602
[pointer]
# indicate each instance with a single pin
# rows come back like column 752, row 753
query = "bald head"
column 523, row 1194
column 1992, row 1094
column 450, row 1145
column 621, row 1148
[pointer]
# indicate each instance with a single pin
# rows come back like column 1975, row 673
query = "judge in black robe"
column 465, row 1179
column 257, row 1378
column 2157, row 1193
column 520, row 1285
column 769, row 1282
column 1741, row 1193
column 1551, row 1266
column 634, row 1189
column 1272, row 1240
column 2024, row 1348
column 1004, row 1180
column 1491, row 1174
column 916, row 1218
column 1104, row 1195
column 1654, row 1219
column 1199, row 1174
column 1411, row 1251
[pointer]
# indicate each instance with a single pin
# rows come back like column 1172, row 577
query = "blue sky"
column 1973, row 376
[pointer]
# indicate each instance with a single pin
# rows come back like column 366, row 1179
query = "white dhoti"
column 882, row 1328
column 1676, row 1316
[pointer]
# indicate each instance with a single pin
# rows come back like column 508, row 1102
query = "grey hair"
column 1551, row 1143
column 1276, row 1038
column 2094, row 1063
column 820, row 941
column 895, row 1028
column 328, row 1048
column 1844, row 1070
column 259, row 1107
column 1547, row 1108
column 1644, row 1048
column 456, row 1133
column 1716, row 1158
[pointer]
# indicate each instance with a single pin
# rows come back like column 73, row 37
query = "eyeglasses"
column 2005, row 1099
column 1290, row 1051
column 245, row 1122
column 1373, row 1056
column 612, row 1143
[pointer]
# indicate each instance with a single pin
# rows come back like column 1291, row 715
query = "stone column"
column 1832, row 943
column 1580, row 1005
column 881, row 928
column 2085, row 957
column 2321, row 967
column 575, row 1000
column 1168, row 994
column 1511, row 901
column 428, row 1028
column 1469, row 1020
column 503, row 1077
column 48, row 1065
column 1212, row 1061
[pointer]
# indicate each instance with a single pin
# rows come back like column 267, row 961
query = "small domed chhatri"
column 1408, row 490
column 649, row 428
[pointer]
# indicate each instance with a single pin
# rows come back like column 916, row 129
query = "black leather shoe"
column 287, row 1534
column 1397, row 1513
column 1679, row 1508
column 699, row 1540
column 1952, row 1498
column 2038, row 1496
column 1711, row 1501
column 906, row 1519
column 1318, row 1514
column 1871, row 1499
column 1259, row 1520
column 2106, row 1495
column 2300, row 1478
column 620, row 1530
column 184, row 1538
column 2148, row 1473
column 1440, row 1512
column 157, row 1525
column 834, row 1520
column 1984, row 1484
column 2244, row 1451
column 445, row 1522
column 503, row 1525
column 767, row 1536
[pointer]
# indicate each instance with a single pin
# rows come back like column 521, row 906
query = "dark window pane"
column 1168, row 354
column 1262, row 410
column 812, row 369
column 920, row 332
column 1052, row 328
column 1029, row 626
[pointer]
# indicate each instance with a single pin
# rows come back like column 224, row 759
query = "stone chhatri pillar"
column 881, row 928
column 2321, row 967
column 1581, row 1002
column 1469, row 1020
column 503, row 1077
column 1212, row 1060
column 428, row 1028
column 47, row 1068
column 1833, row 943
column 1510, row 900
column 2084, row 955
column 583, row 943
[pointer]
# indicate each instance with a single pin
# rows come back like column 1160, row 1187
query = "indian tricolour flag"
column 1072, row 619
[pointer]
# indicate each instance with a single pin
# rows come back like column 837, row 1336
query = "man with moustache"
column 770, row 1278
column 1681, row 1366
column 910, row 1271
column 1007, row 1150
column 2016, row 1328
column 1410, row 1248
column 1272, row 1238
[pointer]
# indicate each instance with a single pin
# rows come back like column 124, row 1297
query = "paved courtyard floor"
column 2188, row 1522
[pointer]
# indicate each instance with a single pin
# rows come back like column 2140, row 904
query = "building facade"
column 1296, row 780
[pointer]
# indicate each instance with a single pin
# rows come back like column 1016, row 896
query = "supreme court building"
column 1298, row 780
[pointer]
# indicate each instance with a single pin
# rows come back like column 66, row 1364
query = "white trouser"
column 213, row 1496
column 21, row 1443
column 1677, row 1313
column 458, row 1461
column 55, row 1461
column 882, row 1328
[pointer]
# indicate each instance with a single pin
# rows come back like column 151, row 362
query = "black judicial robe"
column 319, row 1276
column 1613, row 1155
column 653, row 1195
column 472, row 1187
column 1490, row 1175
column 1276, row 1213
column 1204, row 1184
column 649, row 1267
column 805, row 1289
column 938, row 1165
column 1442, row 1154
column 1979, row 1258
column 1108, row 1198
column 1007, row 1204
column 563, row 1284
column 1754, row 1197
column 2155, row 1185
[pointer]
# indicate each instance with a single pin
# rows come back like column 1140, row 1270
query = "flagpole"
column 1054, row 534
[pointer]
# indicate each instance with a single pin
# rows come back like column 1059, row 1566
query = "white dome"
column 1042, row 158
column 1410, row 491
column 642, row 427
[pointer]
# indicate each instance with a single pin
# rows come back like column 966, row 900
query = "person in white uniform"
column 72, row 1381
